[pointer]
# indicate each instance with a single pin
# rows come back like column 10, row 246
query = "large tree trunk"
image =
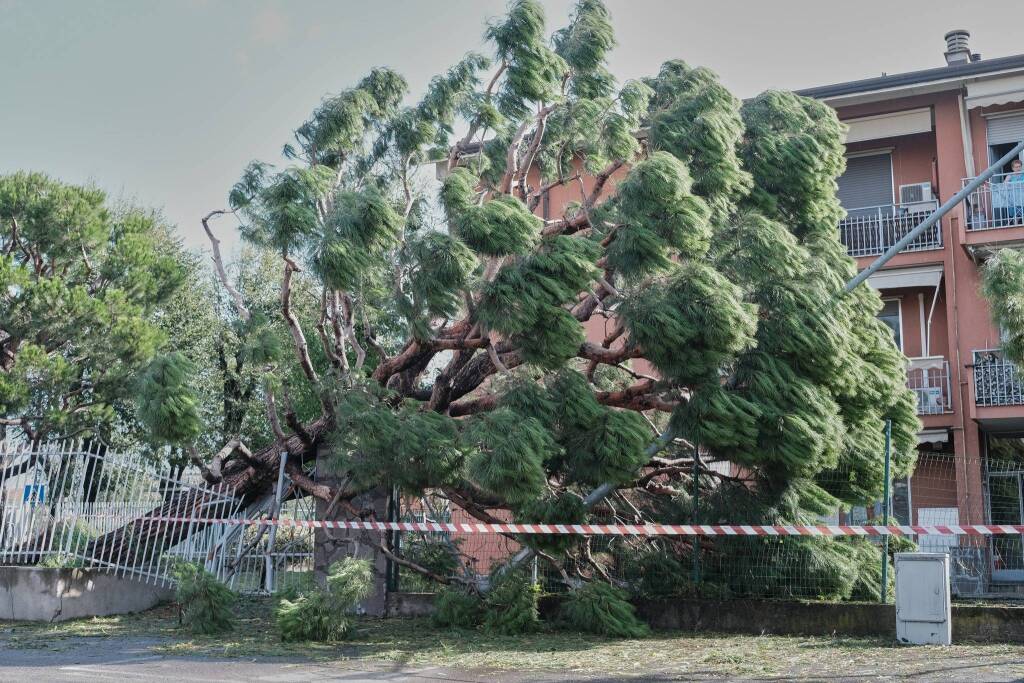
column 251, row 481
column 331, row 545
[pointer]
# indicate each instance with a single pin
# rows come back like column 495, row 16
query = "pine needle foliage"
column 443, row 267
column 206, row 604
column 409, row 448
column 1003, row 286
column 324, row 614
column 516, row 301
column 691, row 323
column 508, row 455
column 167, row 404
column 602, row 609
column 457, row 608
column 698, row 120
column 533, row 69
column 661, row 219
column 501, row 227
column 511, row 605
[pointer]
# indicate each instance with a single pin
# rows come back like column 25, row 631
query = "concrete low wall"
column 771, row 616
column 778, row 617
column 973, row 622
column 43, row 594
column 410, row 604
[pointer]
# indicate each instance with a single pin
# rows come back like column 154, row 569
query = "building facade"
column 914, row 140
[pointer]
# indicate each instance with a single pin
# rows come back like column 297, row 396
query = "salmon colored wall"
column 914, row 300
column 979, row 131
column 913, row 158
column 563, row 195
column 933, row 484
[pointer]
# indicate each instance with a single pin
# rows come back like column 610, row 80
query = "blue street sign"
column 34, row 493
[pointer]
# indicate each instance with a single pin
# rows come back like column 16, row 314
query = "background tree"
column 1003, row 286
column 81, row 283
column 439, row 336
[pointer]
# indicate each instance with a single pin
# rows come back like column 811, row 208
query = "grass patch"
column 416, row 642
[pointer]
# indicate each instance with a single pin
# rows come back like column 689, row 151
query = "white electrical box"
column 923, row 612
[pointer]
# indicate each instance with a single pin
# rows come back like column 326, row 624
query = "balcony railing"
column 871, row 230
column 997, row 381
column 929, row 379
column 999, row 203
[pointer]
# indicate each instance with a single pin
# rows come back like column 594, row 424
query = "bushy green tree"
column 437, row 328
column 81, row 281
column 1003, row 286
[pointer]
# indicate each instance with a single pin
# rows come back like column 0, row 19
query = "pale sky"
column 165, row 102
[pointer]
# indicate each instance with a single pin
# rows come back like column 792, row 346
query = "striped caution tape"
column 619, row 529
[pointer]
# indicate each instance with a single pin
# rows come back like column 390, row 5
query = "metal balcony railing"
column 997, row 381
column 929, row 378
column 999, row 203
column 870, row 230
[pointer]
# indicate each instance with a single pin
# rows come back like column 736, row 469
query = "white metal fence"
column 999, row 203
column 871, row 230
column 78, row 504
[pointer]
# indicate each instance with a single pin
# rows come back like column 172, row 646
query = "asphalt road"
column 132, row 660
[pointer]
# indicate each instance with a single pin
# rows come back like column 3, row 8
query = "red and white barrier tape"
column 621, row 529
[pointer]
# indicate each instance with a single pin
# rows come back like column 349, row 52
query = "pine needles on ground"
column 457, row 608
column 510, row 607
column 207, row 605
column 602, row 609
column 324, row 614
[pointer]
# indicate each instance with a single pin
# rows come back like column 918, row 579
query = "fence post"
column 393, row 541
column 884, row 589
column 269, row 573
column 696, row 495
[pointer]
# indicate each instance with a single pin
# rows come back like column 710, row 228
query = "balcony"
column 996, row 204
column 928, row 378
column 871, row 230
column 996, row 380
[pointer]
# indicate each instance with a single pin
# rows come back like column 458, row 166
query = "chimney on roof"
column 957, row 50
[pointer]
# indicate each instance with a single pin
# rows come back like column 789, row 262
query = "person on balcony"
column 1008, row 201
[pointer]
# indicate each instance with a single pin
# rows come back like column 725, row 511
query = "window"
column 866, row 182
column 1003, row 133
column 890, row 315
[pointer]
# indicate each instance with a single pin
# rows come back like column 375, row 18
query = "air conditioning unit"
column 916, row 197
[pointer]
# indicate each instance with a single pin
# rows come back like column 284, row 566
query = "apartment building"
column 914, row 140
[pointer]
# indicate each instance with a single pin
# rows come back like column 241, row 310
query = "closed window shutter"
column 1006, row 129
column 866, row 182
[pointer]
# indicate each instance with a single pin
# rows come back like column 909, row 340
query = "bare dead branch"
column 218, row 262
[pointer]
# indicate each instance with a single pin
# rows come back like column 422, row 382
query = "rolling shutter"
column 866, row 182
column 1006, row 129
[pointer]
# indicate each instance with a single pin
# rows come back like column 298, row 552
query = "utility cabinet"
column 923, row 612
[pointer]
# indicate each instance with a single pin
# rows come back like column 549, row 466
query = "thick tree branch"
column 608, row 356
column 299, row 339
column 640, row 396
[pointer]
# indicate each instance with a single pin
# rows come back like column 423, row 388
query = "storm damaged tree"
column 448, row 350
